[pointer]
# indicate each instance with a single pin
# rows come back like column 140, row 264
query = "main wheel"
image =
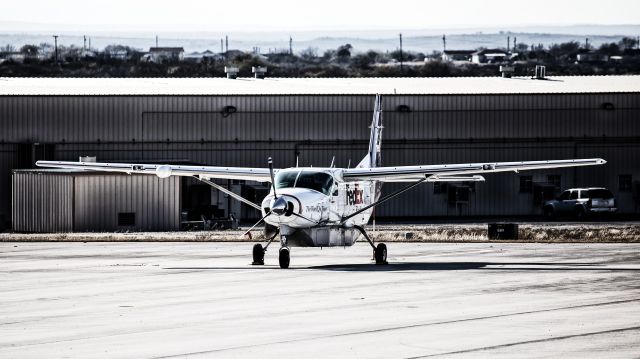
column 284, row 257
column 580, row 214
column 258, row 254
column 381, row 253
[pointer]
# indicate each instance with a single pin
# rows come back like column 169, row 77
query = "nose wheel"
column 284, row 258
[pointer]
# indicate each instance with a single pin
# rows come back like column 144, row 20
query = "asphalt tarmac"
column 157, row 300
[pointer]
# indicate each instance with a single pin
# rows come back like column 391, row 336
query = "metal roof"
column 315, row 86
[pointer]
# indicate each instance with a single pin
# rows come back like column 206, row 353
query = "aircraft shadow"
column 448, row 266
column 432, row 266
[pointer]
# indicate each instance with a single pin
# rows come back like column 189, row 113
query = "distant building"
column 631, row 53
column 205, row 56
column 591, row 57
column 457, row 55
column 490, row 56
column 165, row 54
column 117, row 54
column 12, row 56
column 88, row 55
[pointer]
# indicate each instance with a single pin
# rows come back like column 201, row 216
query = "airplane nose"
column 279, row 206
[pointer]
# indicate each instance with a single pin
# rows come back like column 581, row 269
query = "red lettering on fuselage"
column 354, row 195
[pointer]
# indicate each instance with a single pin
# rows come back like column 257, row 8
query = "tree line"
column 343, row 61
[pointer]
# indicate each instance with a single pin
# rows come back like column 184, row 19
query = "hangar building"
column 241, row 122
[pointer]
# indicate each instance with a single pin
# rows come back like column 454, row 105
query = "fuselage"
column 311, row 204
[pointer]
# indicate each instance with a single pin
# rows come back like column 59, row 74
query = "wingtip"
column 601, row 161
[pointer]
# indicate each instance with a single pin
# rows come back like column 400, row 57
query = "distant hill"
column 419, row 40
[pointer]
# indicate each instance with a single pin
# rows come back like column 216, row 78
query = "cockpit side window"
column 317, row 181
column 286, row 179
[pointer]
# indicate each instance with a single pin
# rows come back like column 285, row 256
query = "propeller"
column 273, row 182
column 280, row 205
column 276, row 208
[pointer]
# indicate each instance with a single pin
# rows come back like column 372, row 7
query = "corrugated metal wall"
column 42, row 202
column 46, row 201
column 438, row 129
column 99, row 199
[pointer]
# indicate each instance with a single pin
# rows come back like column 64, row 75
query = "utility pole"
column 444, row 42
column 89, row 44
column 586, row 43
column 55, row 39
column 290, row 45
column 156, row 40
column 508, row 42
column 84, row 46
column 226, row 43
column 401, row 65
column 515, row 39
column 221, row 45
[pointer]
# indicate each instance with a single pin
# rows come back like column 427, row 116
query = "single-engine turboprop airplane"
column 325, row 207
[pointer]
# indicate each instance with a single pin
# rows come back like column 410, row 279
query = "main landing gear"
column 379, row 251
column 258, row 250
column 258, row 254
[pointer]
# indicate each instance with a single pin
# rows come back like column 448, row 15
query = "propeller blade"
column 255, row 225
column 273, row 182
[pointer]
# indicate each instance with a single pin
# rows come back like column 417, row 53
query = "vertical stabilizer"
column 372, row 159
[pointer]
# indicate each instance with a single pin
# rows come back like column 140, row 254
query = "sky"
column 283, row 15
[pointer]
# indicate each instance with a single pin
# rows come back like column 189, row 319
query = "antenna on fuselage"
column 333, row 160
column 273, row 182
column 349, row 164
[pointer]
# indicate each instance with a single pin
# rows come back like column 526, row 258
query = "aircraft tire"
column 381, row 253
column 284, row 258
column 258, row 254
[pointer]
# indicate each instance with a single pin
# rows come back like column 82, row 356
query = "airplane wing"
column 415, row 173
column 164, row 171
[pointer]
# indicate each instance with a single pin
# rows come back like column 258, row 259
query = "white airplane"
column 325, row 207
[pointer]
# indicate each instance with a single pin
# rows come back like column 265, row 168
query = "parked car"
column 580, row 203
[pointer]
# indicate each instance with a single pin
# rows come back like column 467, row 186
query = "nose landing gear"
column 284, row 257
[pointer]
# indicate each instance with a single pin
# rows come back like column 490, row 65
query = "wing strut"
column 384, row 199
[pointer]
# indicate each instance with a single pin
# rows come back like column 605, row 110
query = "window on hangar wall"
column 526, row 184
column 625, row 183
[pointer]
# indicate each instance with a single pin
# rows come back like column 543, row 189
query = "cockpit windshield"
column 317, row 181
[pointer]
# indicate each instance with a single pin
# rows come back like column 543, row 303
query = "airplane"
column 325, row 207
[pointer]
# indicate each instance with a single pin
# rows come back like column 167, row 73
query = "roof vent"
column 87, row 159
column 541, row 72
column 259, row 71
column 507, row 71
column 232, row 72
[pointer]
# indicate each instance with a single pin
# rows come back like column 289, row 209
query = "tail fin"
column 373, row 159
